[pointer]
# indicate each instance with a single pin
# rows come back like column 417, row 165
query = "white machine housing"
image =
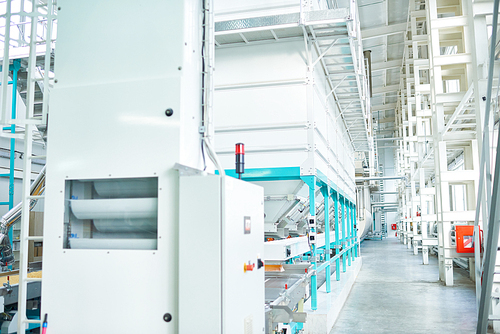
column 268, row 98
column 119, row 66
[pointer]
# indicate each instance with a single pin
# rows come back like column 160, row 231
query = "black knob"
column 167, row 317
column 169, row 112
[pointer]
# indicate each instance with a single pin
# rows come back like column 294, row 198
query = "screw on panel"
column 179, row 68
column 167, row 317
column 169, row 112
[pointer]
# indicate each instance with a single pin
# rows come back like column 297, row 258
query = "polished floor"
column 395, row 293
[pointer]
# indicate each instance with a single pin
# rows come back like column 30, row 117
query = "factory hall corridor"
column 395, row 293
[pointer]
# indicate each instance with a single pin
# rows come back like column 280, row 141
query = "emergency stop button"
column 248, row 267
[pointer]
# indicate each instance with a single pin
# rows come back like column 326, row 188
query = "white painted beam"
column 387, row 65
column 383, row 107
column 459, row 216
column 449, row 97
column 386, row 89
column 449, row 22
column 386, row 120
column 459, row 135
column 483, row 8
column 459, row 176
column 461, row 58
column 384, row 30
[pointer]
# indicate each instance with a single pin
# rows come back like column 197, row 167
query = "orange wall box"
column 465, row 238
column 394, row 227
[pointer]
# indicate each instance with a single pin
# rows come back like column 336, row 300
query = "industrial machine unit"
column 290, row 83
column 273, row 94
column 125, row 108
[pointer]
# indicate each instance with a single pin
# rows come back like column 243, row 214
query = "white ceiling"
column 383, row 26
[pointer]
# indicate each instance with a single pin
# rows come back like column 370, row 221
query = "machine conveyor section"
column 113, row 243
column 122, row 208
column 133, row 188
column 118, row 215
column 112, row 214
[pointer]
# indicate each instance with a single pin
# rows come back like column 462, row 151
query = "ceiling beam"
column 386, row 132
column 387, row 65
column 386, row 120
column 386, row 89
column 383, row 107
column 384, row 30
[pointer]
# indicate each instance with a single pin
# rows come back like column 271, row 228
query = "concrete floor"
column 395, row 293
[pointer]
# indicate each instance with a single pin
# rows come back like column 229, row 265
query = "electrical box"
column 221, row 244
column 311, row 221
column 465, row 238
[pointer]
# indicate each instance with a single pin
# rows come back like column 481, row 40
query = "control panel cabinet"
column 221, row 244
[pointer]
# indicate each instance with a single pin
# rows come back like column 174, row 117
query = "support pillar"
column 325, row 192
column 337, row 240
column 344, row 235
column 310, row 180
column 348, row 226
column 356, row 249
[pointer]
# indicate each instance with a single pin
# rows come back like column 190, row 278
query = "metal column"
column 353, row 238
column 356, row 254
column 344, row 234
column 310, row 180
column 348, row 226
column 490, row 252
column 337, row 240
column 325, row 191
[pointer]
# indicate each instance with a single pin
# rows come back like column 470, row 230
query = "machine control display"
column 247, row 224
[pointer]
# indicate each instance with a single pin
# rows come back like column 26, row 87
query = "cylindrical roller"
column 145, row 187
column 125, row 225
column 121, row 208
column 114, row 243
